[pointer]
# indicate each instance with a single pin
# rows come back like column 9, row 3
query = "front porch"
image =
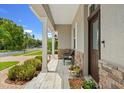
column 54, row 74
column 56, row 77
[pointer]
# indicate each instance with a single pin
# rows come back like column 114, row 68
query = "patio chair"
column 69, row 56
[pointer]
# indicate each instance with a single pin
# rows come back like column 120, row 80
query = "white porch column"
column 44, row 46
column 53, row 44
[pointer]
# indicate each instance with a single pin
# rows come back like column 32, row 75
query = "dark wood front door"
column 94, row 45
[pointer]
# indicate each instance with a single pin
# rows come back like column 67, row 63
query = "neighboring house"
column 95, row 32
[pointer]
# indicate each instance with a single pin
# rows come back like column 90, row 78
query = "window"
column 92, row 8
column 75, row 37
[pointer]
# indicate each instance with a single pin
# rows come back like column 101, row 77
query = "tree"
column 13, row 37
column 15, row 34
column 4, row 38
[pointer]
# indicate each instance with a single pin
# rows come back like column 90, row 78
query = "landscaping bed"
column 20, row 74
column 4, row 65
column 75, row 83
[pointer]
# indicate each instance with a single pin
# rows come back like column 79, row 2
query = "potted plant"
column 90, row 84
column 71, row 67
column 75, row 70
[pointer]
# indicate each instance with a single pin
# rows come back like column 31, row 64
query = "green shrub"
column 12, row 75
column 38, row 64
column 22, row 72
column 39, row 57
column 35, row 62
column 26, row 71
column 90, row 84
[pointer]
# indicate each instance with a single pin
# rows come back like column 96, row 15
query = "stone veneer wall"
column 79, row 58
column 110, row 76
column 61, row 52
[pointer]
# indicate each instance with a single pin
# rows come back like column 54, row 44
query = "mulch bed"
column 75, row 83
column 15, row 82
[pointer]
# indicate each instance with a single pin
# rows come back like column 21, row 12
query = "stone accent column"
column 79, row 59
column 110, row 76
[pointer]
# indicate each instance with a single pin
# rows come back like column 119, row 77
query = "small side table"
column 67, row 58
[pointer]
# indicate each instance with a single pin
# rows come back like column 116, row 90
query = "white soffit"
column 38, row 10
column 63, row 13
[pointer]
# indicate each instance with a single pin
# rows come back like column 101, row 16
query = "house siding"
column 111, row 71
column 112, row 32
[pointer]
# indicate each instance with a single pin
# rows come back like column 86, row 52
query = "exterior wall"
column 112, row 25
column 64, row 38
column 81, row 55
column 79, row 20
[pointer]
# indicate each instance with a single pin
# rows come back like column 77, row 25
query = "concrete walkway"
column 4, row 85
column 15, row 58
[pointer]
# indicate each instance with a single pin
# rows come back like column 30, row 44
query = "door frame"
column 96, row 13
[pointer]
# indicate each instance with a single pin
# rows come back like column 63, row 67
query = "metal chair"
column 69, row 56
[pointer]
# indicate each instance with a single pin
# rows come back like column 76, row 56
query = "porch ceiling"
column 63, row 13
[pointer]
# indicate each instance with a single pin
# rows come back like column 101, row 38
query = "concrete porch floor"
column 55, row 78
column 45, row 81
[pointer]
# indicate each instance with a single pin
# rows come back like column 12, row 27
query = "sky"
column 22, row 15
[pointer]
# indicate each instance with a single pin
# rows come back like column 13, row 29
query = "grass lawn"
column 31, row 53
column 2, row 51
column 4, row 65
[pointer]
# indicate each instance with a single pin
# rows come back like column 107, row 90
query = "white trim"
column 53, row 43
column 76, row 30
column 89, row 9
column 72, row 39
